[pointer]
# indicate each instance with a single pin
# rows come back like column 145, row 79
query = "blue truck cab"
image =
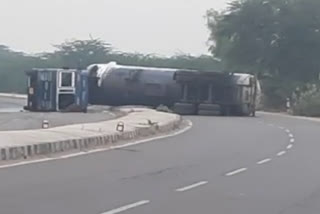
column 51, row 90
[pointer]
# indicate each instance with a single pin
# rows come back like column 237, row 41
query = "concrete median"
column 138, row 123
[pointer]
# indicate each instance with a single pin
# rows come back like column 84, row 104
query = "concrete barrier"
column 19, row 96
column 32, row 150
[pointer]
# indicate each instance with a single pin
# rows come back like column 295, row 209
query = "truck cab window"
column 66, row 79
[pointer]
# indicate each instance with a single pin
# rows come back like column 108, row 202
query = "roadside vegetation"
column 278, row 40
column 80, row 54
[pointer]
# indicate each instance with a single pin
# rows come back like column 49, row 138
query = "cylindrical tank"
column 113, row 84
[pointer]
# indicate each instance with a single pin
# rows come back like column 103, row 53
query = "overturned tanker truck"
column 186, row 91
column 113, row 84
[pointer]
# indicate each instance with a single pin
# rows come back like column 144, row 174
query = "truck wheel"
column 209, row 107
column 185, row 108
column 209, row 113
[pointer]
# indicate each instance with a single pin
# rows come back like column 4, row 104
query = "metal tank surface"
column 113, row 84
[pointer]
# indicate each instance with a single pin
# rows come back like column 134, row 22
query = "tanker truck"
column 114, row 84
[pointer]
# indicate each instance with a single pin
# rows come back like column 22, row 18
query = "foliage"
column 275, row 38
column 307, row 101
column 80, row 54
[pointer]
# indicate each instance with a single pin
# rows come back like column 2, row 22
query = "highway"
column 225, row 165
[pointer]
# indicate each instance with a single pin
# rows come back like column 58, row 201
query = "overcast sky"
column 149, row 26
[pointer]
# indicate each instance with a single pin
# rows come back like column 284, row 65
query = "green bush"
column 307, row 103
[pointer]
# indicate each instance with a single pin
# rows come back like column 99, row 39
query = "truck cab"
column 57, row 90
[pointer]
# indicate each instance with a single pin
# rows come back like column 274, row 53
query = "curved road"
column 263, row 165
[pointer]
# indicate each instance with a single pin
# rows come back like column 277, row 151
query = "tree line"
column 80, row 54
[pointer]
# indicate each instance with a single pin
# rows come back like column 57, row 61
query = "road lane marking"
column 281, row 153
column 72, row 155
column 289, row 146
column 288, row 131
column 281, row 127
column 290, row 135
column 192, row 186
column 26, row 162
column 292, row 140
column 236, row 172
column 264, row 161
column 127, row 207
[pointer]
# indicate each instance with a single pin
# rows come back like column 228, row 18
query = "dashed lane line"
column 264, row 161
column 192, row 186
column 235, row 172
column 281, row 153
column 289, row 146
column 127, row 207
column 292, row 140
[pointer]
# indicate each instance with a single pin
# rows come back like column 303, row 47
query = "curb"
column 18, row 96
column 84, row 144
column 314, row 119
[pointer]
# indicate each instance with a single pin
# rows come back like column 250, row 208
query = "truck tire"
column 209, row 113
column 185, row 108
column 209, row 107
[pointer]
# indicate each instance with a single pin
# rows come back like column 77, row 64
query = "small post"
column 45, row 124
column 288, row 105
column 120, row 127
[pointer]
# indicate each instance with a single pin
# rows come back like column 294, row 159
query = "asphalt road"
column 12, row 117
column 263, row 165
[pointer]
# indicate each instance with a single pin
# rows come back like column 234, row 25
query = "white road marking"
column 281, row 153
column 288, row 131
column 26, row 163
column 290, row 135
column 98, row 150
column 72, row 155
column 186, row 188
column 264, row 161
column 289, row 146
column 292, row 140
column 281, row 127
column 127, row 207
column 236, row 172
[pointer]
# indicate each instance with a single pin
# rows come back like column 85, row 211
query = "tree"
column 80, row 53
column 277, row 39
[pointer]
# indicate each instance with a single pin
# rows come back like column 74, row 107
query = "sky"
column 165, row 27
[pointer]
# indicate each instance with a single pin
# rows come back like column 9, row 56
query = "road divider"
column 19, row 145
